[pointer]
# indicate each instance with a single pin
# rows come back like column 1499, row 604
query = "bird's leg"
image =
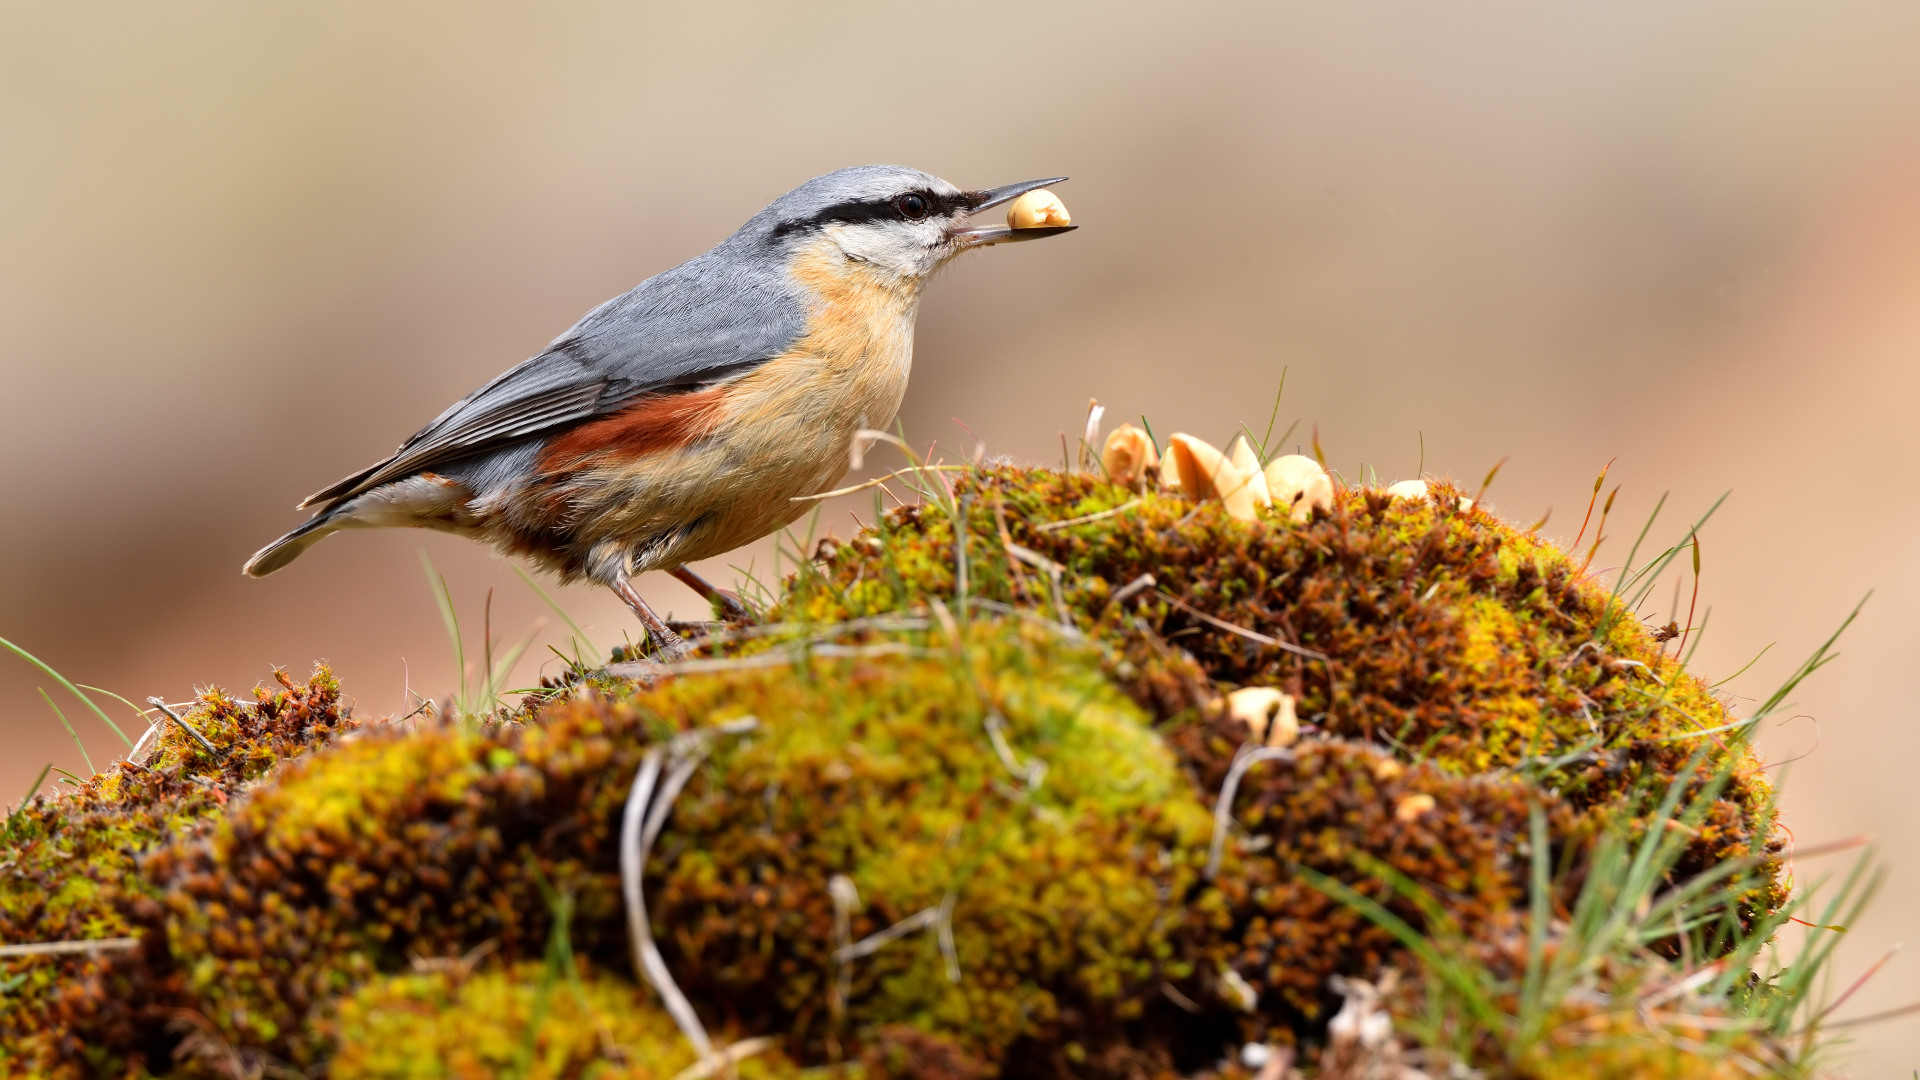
column 729, row 604
column 667, row 644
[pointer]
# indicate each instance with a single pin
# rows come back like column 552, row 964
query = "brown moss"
column 1335, row 808
column 71, row 868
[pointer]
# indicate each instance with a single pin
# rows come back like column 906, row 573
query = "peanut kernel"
column 1036, row 209
column 1408, row 489
column 1205, row 473
column 1413, row 806
column 1268, row 714
column 1298, row 484
column 1128, row 456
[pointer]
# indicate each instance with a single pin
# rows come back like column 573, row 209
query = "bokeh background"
column 245, row 249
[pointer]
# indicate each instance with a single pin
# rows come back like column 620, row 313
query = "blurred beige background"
column 245, row 249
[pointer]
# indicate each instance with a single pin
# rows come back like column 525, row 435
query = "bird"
column 695, row 412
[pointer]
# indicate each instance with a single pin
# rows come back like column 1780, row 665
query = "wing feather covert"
column 702, row 322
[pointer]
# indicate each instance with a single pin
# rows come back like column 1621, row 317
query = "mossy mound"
column 958, row 838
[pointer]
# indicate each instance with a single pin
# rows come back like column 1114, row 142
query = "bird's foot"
column 668, row 646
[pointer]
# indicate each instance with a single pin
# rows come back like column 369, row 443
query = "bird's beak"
column 981, row 236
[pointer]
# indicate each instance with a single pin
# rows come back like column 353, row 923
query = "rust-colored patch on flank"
column 652, row 424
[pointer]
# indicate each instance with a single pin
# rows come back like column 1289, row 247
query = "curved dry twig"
column 1250, row 635
column 69, row 948
column 1223, row 806
column 646, row 955
column 184, row 726
column 640, row 824
column 871, row 944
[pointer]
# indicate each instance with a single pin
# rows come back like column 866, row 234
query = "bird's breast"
column 847, row 370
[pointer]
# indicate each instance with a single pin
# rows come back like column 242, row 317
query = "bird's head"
column 900, row 221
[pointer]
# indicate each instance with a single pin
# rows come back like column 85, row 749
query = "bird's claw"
column 668, row 647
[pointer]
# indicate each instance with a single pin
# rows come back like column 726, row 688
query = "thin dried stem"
column 184, row 726
column 1223, row 806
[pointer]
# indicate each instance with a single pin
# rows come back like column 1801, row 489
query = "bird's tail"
column 289, row 547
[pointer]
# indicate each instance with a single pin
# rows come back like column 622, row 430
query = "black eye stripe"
column 863, row 211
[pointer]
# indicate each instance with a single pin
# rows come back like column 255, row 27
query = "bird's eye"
column 912, row 207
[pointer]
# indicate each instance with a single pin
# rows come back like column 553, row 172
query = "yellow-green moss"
column 526, row 1021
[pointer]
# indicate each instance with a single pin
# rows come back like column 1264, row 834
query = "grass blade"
column 443, row 597
column 1821, row 657
column 1652, row 571
column 137, row 710
column 1454, row 974
column 76, row 735
column 1266, row 454
column 579, row 635
column 72, row 689
column 34, row 787
column 1539, row 913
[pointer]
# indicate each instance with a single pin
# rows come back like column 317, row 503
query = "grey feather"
column 678, row 330
column 287, row 548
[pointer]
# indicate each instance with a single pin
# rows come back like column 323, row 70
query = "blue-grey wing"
column 702, row 322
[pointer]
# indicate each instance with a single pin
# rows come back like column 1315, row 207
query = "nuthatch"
column 682, row 419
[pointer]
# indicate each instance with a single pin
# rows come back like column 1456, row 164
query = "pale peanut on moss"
column 1205, row 473
column 1411, row 807
column 1418, row 489
column 1297, row 484
column 1408, row 489
column 1240, row 452
column 1128, row 456
column 1270, row 715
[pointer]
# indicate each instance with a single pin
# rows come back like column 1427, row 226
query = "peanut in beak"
column 1038, row 209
